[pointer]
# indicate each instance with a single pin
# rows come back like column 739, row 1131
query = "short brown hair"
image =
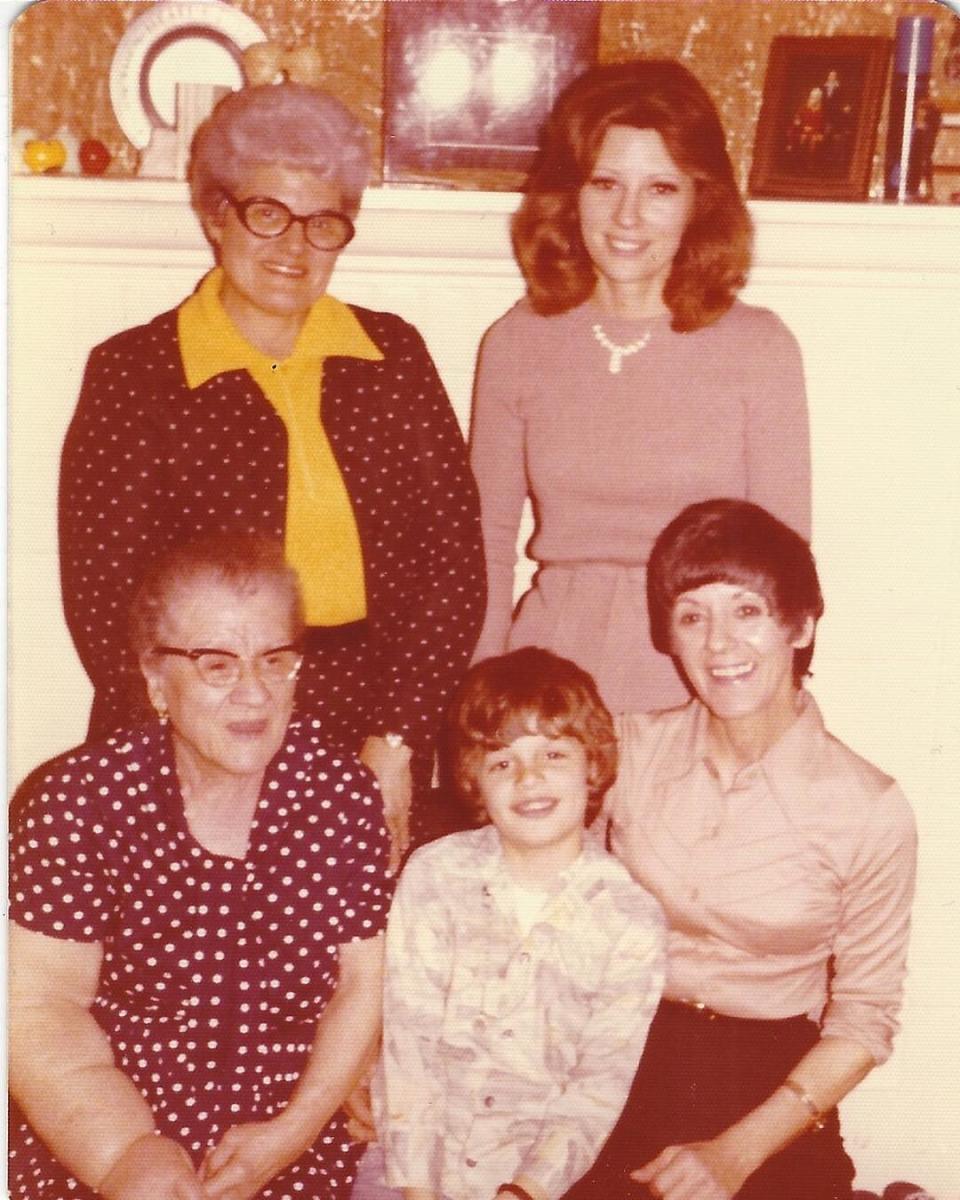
column 734, row 541
column 528, row 691
column 712, row 262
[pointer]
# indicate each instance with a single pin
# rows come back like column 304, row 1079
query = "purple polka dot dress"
column 215, row 969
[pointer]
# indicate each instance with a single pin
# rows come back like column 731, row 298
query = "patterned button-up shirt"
column 508, row 1055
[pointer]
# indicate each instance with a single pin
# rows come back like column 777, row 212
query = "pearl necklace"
column 619, row 353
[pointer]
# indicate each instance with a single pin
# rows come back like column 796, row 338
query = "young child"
column 523, row 963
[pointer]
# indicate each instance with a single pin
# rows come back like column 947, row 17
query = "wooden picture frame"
column 817, row 130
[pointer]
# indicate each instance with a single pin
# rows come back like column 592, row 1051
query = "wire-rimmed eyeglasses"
column 264, row 217
column 223, row 668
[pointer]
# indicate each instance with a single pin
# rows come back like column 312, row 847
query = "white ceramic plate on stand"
column 180, row 41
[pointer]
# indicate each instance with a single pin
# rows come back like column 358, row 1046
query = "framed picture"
column 468, row 85
column 818, row 120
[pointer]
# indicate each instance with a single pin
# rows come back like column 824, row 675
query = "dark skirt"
column 699, row 1074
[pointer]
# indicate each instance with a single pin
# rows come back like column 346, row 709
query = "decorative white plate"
column 178, row 41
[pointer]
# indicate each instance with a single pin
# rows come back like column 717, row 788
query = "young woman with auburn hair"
column 629, row 381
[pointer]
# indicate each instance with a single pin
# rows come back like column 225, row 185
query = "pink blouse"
column 809, row 856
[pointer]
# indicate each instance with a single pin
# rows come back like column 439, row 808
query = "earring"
column 162, row 713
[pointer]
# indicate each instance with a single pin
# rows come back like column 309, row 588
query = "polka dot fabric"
column 147, row 462
column 215, row 969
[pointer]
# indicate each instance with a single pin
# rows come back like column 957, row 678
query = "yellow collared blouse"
column 322, row 540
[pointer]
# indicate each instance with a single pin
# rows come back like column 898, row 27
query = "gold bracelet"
column 817, row 1116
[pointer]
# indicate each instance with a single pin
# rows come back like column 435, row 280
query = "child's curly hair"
column 523, row 692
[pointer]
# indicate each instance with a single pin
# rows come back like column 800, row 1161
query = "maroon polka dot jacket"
column 148, row 462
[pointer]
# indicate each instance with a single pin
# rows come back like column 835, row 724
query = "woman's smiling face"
column 233, row 731
column 269, row 282
column 634, row 209
column 736, row 653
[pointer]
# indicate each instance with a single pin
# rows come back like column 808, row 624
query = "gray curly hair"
column 239, row 559
column 287, row 124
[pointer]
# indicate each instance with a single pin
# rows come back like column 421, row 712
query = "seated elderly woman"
column 785, row 866
column 195, row 957
column 262, row 402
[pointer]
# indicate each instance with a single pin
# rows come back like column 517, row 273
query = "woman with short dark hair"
column 262, row 403
column 785, row 865
column 630, row 381
column 739, row 543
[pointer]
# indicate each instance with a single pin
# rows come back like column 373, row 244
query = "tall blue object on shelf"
column 907, row 130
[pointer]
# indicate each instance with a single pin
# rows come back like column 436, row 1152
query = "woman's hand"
column 250, row 1155
column 391, row 765
column 246, row 1158
column 717, row 1169
column 696, row 1171
column 152, row 1168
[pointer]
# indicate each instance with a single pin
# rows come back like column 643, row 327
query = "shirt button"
column 488, row 1102
column 479, row 1024
column 471, row 1162
column 507, row 1033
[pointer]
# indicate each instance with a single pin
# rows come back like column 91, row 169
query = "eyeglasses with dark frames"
column 223, row 668
column 264, row 217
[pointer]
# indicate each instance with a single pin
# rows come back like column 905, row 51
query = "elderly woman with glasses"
column 197, row 906
column 263, row 403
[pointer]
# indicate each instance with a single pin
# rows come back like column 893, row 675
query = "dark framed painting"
column 468, row 85
column 817, row 130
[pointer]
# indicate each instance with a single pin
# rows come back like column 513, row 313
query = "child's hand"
column 360, row 1113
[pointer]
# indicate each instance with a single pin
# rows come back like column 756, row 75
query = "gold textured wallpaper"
column 61, row 52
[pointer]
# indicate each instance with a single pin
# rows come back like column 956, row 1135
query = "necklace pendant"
column 619, row 353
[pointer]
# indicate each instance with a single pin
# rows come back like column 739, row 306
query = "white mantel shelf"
column 872, row 294
column 76, row 219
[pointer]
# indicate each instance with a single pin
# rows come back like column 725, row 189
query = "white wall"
column 872, row 293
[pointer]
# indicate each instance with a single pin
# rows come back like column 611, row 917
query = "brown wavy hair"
column 712, row 262
column 527, row 691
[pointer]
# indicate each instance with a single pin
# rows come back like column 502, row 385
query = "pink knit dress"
column 609, row 458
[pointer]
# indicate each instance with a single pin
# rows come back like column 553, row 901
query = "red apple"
column 94, row 157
